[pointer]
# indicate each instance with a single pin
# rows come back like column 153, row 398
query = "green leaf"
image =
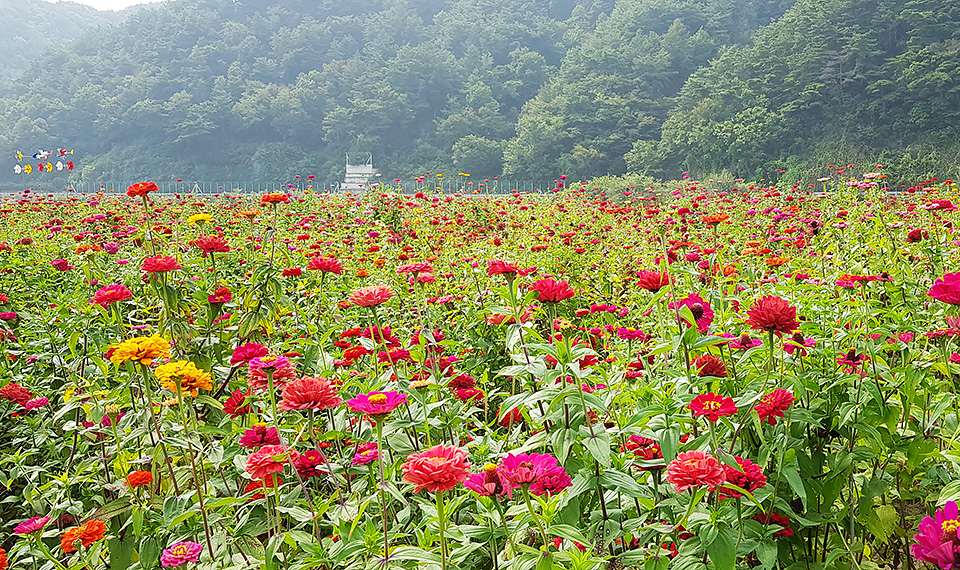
column 767, row 553
column 598, row 445
column 723, row 550
column 792, row 475
column 568, row 532
column 209, row 401
column 622, row 482
column 411, row 553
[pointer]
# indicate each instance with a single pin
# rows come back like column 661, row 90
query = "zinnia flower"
column 439, row 468
column 773, row 314
column 694, row 469
column 160, row 264
column 220, row 296
column 937, row 541
column 779, row 520
column 309, row 393
column 713, row 406
column 111, row 294
column 946, row 289
column 140, row 349
column 139, row 479
column 773, row 405
column 180, row 553
column 247, row 352
column 370, row 296
column 183, row 377
column 258, row 436
column 211, row 244
column 31, row 525
column 141, row 189
column 652, row 280
column 377, row 405
column 36, row 403
column 268, row 460
column 749, row 477
column 702, row 313
column 87, row 533
column 527, row 468
column 325, row 265
column 366, row 453
column 552, row 291
column 281, row 367
column 15, row 393
column 308, row 464
column 275, row 198
column 489, row 482
column 709, row 365
column 237, row 405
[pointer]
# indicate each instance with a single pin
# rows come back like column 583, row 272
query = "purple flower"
column 61, row 264
column 937, row 541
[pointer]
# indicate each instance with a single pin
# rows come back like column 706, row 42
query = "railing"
column 199, row 188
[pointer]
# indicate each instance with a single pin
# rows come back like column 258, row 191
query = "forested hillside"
column 29, row 28
column 264, row 89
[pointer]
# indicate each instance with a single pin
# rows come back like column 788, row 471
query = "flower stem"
column 543, row 534
column 443, row 539
column 383, row 501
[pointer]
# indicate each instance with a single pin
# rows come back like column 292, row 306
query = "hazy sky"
column 113, row 4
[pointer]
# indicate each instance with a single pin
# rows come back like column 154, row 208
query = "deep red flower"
column 713, row 406
column 15, row 393
column 247, row 352
column 709, row 365
column 779, row 520
column 749, row 477
column 211, row 244
column 773, row 314
column 237, row 405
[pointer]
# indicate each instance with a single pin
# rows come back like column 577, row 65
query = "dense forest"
column 264, row 89
column 29, row 28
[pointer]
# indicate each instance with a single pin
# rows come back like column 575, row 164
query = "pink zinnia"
column 258, row 368
column 937, row 540
column 258, row 436
column 527, row 468
column 377, row 405
column 111, row 294
column 489, row 482
column 694, row 469
column 180, row 554
column 702, row 313
column 247, row 352
column 439, row 468
column 946, row 289
column 370, row 296
column 31, row 525
column 366, row 453
column 309, row 393
column 36, row 403
column 269, row 460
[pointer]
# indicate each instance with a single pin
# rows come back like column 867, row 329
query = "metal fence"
column 206, row 188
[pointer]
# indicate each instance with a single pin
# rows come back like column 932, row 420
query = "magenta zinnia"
column 946, row 289
column 377, row 405
column 180, row 554
column 702, row 313
column 937, row 540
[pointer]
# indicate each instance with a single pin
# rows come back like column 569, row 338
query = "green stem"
column 443, row 539
column 543, row 534
column 383, row 501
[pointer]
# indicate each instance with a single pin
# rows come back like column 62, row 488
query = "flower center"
column 697, row 310
column 378, row 399
column 950, row 526
column 798, row 338
column 525, row 465
column 268, row 359
column 490, row 467
column 711, row 406
column 745, row 340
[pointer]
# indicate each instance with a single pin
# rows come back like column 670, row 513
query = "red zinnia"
column 710, row 365
column 773, row 314
column 237, row 405
column 111, row 294
column 139, row 479
column 141, row 189
column 309, row 394
column 275, row 198
column 773, row 405
column 160, row 264
column 325, row 265
column 439, row 468
column 694, row 469
column 211, row 244
column 220, row 296
column 774, row 518
column 269, row 460
column 652, row 280
column 552, row 291
column 713, row 406
column 749, row 477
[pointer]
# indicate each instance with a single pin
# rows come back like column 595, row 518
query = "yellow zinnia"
column 200, row 218
column 190, row 378
column 142, row 349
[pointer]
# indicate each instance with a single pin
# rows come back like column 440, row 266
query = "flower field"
column 684, row 376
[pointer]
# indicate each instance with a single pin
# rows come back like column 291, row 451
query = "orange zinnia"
column 87, row 533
